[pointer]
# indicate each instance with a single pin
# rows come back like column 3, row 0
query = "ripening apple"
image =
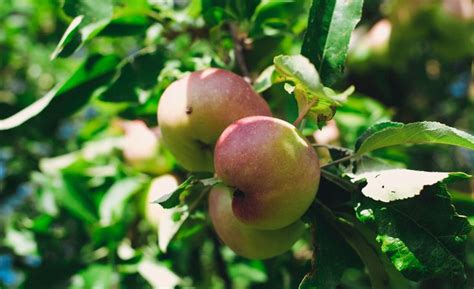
column 243, row 240
column 272, row 166
column 194, row 110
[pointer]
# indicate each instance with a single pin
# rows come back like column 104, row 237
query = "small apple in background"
column 462, row 9
column 194, row 110
column 274, row 169
column 328, row 135
column 159, row 186
column 143, row 150
column 371, row 44
column 243, row 240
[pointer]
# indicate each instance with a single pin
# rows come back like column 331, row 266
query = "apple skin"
column 274, row 168
column 194, row 110
column 243, row 240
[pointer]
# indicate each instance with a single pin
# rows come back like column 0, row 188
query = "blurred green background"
column 76, row 182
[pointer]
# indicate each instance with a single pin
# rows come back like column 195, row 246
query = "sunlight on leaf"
column 427, row 132
column 157, row 275
column 398, row 184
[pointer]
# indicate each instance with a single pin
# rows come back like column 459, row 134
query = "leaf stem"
column 328, row 146
column 155, row 16
column 338, row 161
column 196, row 202
column 304, row 112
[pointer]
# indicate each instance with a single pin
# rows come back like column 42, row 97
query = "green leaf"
column 171, row 221
column 173, row 199
column 389, row 185
column 69, row 195
column 70, row 39
column 29, row 112
column 266, row 79
column 180, row 222
column 379, row 277
column 99, row 19
column 179, row 206
column 423, row 236
column 95, row 276
column 94, row 17
column 357, row 114
column 330, row 25
column 353, row 239
column 214, row 13
column 115, row 200
column 70, row 96
column 137, row 73
column 381, row 270
column 157, row 274
column 89, row 153
column 313, row 99
column 332, row 254
column 427, row 132
column 126, row 25
column 464, row 204
column 92, row 10
column 268, row 13
column 298, row 69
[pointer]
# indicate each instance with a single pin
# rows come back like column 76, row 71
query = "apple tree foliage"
column 394, row 208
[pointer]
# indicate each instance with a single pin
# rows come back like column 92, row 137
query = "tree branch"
column 219, row 262
column 238, row 51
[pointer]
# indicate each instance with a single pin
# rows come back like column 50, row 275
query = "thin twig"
column 338, row 161
column 197, row 201
column 315, row 245
column 328, row 146
column 238, row 51
column 221, row 266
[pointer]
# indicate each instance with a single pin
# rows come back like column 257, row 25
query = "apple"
column 328, row 135
column 159, row 186
column 372, row 45
column 242, row 239
column 143, row 149
column 272, row 166
column 194, row 110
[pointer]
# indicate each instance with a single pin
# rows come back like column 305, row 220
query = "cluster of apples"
column 212, row 121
